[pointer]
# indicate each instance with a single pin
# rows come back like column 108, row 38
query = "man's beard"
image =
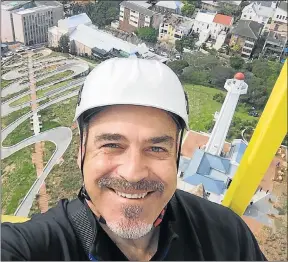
column 130, row 225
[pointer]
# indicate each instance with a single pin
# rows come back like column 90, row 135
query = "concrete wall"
column 80, row 48
column 6, row 27
column 19, row 28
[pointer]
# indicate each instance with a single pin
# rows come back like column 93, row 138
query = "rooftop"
column 179, row 21
column 205, row 17
column 32, row 10
column 276, row 38
column 223, row 19
column 74, row 21
column 247, row 28
column 141, row 3
column 106, row 42
column 48, row 3
column 170, row 4
column 10, row 5
column 215, row 186
column 132, row 5
column 260, row 9
column 283, row 5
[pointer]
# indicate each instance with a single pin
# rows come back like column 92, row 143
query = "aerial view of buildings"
column 227, row 54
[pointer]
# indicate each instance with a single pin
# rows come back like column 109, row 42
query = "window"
column 207, row 26
column 245, row 15
column 245, row 50
column 280, row 17
column 277, row 16
column 207, row 194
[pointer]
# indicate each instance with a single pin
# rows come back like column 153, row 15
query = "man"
column 131, row 115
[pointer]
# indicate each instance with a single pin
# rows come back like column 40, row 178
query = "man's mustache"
column 122, row 184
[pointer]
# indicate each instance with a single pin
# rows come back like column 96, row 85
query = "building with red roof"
column 225, row 20
column 221, row 23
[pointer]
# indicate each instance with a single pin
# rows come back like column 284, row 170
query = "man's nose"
column 134, row 167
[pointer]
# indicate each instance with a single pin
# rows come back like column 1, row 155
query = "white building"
column 27, row 22
column 258, row 13
column 66, row 26
column 172, row 7
column 211, row 24
column 221, row 23
column 280, row 14
column 203, row 21
column 90, row 41
column 175, row 27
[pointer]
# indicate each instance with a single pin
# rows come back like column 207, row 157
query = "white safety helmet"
column 133, row 81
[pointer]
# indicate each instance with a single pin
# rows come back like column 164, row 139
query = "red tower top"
column 239, row 76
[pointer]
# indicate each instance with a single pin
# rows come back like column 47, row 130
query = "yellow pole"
column 13, row 219
column 268, row 135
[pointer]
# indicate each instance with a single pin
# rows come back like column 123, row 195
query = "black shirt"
column 192, row 229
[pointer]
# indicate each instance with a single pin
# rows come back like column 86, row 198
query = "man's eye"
column 157, row 149
column 111, row 145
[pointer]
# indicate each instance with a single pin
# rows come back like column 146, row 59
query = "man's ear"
column 79, row 156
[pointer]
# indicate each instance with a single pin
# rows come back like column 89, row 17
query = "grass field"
column 7, row 120
column 40, row 93
column 18, row 175
column 20, row 133
column 5, row 83
column 54, row 77
column 6, row 98
column 202, row 107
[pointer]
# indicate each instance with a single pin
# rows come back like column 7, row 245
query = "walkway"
column 37, row 157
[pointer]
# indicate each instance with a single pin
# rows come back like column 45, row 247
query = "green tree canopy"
column 177, row 66
column 179, row 46
column 147, row 34
column 188, row 9
column 64, row 43
column 101, row 12
column 237, row 62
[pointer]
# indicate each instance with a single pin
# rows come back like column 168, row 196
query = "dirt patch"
column 273, row 241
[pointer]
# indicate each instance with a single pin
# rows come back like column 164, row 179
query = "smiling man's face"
column 130, row 167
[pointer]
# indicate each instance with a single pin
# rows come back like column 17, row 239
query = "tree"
column 219, row 97
column 188, row 9
column 219, row 75
column 64, row 43
column 179, row 46
column 147, row 34
column 188, row 42
column 237, row 62
column 228, row 9
column 197, row 77
column 177, row 66
column 236, row 48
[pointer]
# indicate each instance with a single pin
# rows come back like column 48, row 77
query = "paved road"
column 6, row 109
column 61, row 137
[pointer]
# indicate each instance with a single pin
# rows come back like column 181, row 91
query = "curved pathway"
column 60, row 136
